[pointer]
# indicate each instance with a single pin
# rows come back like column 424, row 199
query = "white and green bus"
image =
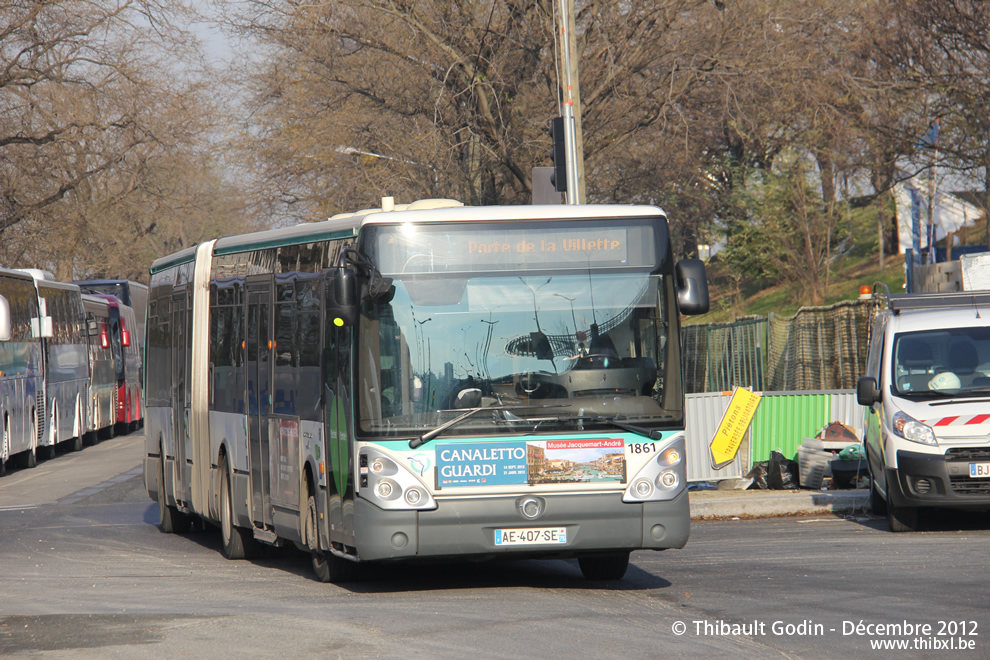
column 426, row 381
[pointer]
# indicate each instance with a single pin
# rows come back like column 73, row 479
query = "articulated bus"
column 102, row 408
column 22, row 379
column 424, row 382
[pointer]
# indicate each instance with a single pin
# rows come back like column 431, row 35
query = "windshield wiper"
column 652, row 434
column 429, row 435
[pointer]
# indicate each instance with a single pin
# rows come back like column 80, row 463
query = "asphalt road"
column 87, row 574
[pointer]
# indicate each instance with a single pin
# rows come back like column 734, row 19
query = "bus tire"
column 238, row 543
column 327, row 566
column 76, row 443
column 604, row 567
column 5, row 447
column 172, row 520
column 30, row 458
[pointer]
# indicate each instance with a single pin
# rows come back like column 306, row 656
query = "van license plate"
column 979, row 470
column 531, row 536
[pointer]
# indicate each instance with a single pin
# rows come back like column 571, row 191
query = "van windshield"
column 936, row 363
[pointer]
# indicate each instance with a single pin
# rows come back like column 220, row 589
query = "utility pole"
column 572, row 105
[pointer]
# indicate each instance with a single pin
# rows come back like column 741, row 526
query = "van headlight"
column 911, row 429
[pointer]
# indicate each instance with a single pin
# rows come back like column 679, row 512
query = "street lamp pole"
column 573, row 142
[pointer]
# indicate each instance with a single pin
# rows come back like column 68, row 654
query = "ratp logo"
column 419, row 463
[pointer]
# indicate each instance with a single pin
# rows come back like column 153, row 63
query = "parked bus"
column 426, row 381
column 66, row 363
column 22, row 384
column 127, row 360
column 132, row 294
column 102, row 407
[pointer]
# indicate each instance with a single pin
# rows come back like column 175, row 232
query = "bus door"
column 336, row 401
column 258, row 379
column 180, row 390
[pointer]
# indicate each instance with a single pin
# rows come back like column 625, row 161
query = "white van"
column 927, row 392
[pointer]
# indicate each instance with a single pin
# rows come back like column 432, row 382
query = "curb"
column 716, row 504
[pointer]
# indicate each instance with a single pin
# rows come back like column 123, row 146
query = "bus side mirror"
column 692, row 286
column 42, row 327
column 343, row 296
column 6, row 329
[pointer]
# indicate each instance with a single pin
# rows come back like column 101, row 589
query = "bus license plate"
column 979, row 470
column 531, row 536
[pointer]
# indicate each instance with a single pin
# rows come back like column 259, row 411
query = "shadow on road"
column 437, row 574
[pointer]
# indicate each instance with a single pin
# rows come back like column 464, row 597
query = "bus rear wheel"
column 30, row 458
column 604, row 567
column 327, row 566
column 237, row 541
column 5, row 447
column 172, row 520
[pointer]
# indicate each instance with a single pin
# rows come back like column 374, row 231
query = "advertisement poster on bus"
column 284, row 462
column 584, row 460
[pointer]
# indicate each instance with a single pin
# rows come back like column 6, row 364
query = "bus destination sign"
column 490, row 247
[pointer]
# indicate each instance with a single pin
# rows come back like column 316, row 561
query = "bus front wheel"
column 327, row 566
column 604, row 567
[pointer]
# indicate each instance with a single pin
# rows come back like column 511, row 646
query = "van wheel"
column 902, row 518
column 610, row 567
column 878, row 506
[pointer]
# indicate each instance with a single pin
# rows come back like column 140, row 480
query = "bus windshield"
column 548, row 351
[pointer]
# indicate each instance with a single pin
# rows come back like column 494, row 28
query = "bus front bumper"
column 588, row 524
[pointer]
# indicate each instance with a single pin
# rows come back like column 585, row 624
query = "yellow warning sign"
column 732, row 428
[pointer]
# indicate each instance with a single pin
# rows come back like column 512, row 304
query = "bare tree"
column 95, row 115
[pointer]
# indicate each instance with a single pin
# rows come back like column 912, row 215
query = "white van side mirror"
column 867, row 392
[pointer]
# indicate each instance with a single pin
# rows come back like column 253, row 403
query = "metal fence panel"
column 784, row 419
column 703, row 413
column 847, row 410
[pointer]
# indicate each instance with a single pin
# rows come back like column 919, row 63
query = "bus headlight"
column 385, row 489
column 643, row 489
column 662, row 478
column 389, row 484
